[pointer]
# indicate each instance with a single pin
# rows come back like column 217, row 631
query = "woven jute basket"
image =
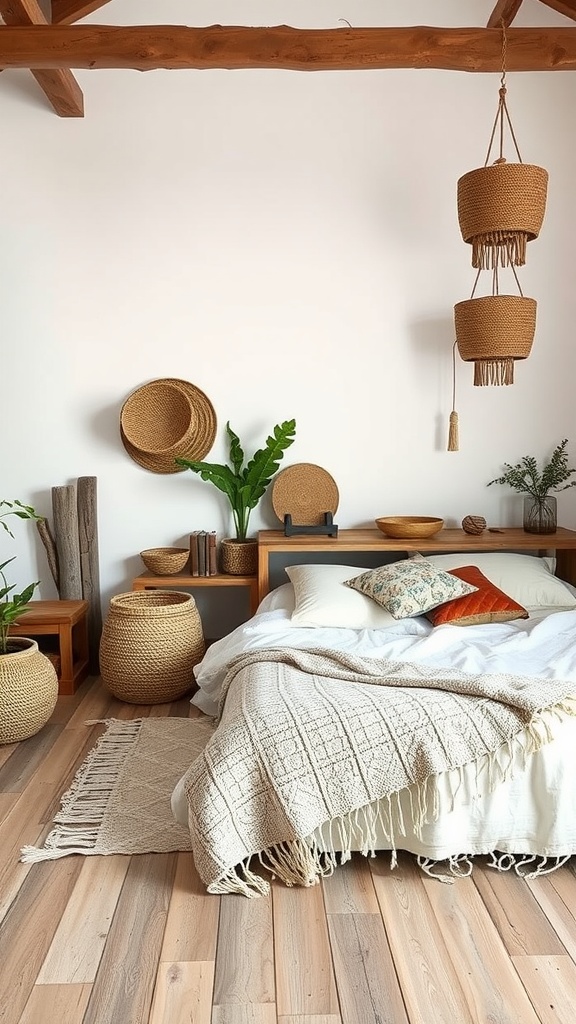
column 239, row 557
column 158, row 419
column 142, row 439
column 500, row 208
column 28, row 690
column 151, row 641
column 493, row 331
column 165, row 561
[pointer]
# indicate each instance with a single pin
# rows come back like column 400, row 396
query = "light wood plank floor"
column 135, row 940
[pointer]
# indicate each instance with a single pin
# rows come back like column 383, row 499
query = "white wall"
column 289, row 243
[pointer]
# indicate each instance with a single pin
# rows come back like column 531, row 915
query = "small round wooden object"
column 474, row 524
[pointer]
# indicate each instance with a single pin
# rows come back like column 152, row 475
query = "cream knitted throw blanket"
column 306, row 737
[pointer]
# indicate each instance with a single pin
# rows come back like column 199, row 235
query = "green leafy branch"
column 527, row 478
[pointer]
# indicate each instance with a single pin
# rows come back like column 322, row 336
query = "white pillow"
column 528, row 579
column 322, row 599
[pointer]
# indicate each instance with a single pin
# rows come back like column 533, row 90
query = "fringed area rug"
column 119, row 801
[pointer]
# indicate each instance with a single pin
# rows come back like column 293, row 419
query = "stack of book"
column 203, row 553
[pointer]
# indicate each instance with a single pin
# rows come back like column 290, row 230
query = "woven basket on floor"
column 500, row 209
column 493, row 331
column 28, row 690
column 150, row 642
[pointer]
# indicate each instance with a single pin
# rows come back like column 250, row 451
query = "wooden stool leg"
column 66, row 659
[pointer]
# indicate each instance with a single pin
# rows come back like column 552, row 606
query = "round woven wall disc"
column 194, row 444
column 305, row 492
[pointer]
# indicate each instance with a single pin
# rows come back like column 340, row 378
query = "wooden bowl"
column 409, row 527
column 165, row 561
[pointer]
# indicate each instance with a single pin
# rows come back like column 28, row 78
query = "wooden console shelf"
column 67, row 621
column 150, row 581
column 563, row 543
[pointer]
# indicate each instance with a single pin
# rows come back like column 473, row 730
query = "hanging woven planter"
column 493, row 331
column 500, row 208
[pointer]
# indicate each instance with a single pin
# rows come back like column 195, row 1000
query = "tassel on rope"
column 453, row 437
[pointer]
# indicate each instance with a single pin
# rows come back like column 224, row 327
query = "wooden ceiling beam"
column 565, row 7
column 505, row 11
column 65, row 12
column 146, row 47
column 58, row 83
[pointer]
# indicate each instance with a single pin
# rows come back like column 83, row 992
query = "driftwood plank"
column 67, row 544
column 89, row 564
column 45, row 533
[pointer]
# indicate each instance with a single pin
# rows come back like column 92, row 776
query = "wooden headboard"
column 273, row 542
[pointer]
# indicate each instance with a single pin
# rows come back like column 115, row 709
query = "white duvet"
column 533, row 813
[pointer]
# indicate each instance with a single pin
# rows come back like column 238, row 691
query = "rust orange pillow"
column 486, row 604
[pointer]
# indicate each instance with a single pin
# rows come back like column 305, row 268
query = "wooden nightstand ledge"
column 149, row 580
column 67, row 620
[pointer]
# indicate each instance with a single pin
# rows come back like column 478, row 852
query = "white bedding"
column 533, row 813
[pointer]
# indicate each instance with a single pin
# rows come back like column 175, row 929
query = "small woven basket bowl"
column 165, row 561
column 409, row 526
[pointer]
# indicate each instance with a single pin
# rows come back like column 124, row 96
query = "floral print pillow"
column 410, row 587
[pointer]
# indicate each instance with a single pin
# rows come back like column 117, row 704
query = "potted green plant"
column 13, row 605
column 244, row 483
column 28, row 680
column 526, row 477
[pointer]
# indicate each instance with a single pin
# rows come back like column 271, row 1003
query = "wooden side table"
column 67, row 621
column 149, row 580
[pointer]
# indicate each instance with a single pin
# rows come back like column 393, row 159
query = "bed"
column 314, row 691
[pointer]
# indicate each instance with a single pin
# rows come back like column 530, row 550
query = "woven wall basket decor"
column 493, row 331
column 165, row 419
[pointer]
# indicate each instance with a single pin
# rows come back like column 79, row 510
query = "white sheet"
column 533, row 813
column 543, row 645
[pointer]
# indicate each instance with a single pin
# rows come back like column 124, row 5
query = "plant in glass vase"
column 526, row 477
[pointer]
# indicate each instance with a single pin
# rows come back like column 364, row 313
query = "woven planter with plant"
column 28, row 690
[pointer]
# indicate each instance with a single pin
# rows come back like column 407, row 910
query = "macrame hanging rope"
column 504, row 247
column 501, row 207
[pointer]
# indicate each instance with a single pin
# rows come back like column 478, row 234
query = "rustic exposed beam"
column 64, row 12
column 566, row 7
column 145, row 47
column 59, row 85
column 505, row 11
